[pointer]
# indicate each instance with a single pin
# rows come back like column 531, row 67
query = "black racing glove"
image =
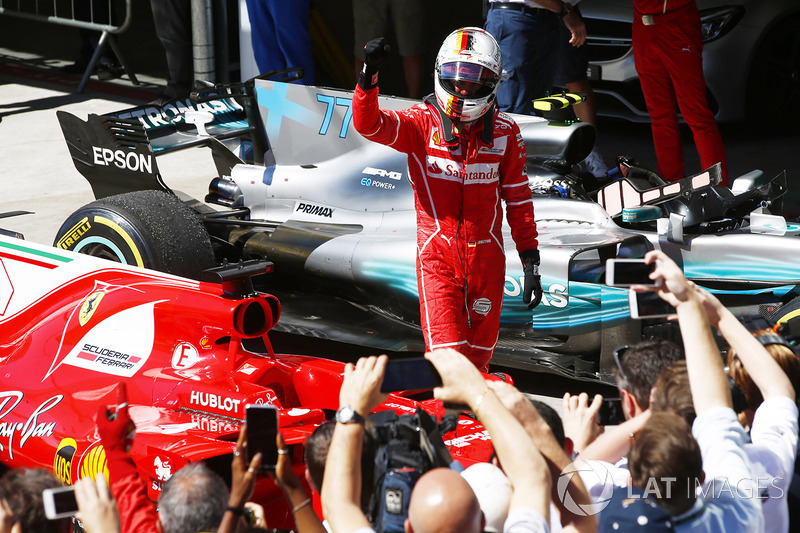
column 375, row 52
column 532, row 289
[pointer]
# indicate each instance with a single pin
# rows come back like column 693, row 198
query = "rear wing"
column 116, row 152
column 114, row 155
column 219, row 112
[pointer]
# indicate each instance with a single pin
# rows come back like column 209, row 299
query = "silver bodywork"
column 335, row 214
column 728, row 60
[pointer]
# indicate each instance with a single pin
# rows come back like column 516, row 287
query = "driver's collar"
column 487, row 134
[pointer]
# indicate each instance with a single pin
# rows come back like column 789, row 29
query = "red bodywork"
column 73, row 326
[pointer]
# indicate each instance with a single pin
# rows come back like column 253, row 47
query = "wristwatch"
column 348, row 415
column 566, row 9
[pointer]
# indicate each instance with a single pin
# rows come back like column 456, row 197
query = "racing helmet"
column 468, row 71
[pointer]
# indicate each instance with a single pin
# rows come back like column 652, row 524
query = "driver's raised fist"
column 375, row 51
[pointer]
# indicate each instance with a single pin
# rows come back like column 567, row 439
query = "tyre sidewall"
column 93, row 226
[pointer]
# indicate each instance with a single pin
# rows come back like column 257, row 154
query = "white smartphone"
column 627, row 272
column 648, row 304
column 59, row 502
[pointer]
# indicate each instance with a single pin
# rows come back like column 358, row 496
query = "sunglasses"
column 618, row 355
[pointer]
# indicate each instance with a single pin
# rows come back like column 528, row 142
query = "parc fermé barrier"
column 113, row 17
column 109, row 17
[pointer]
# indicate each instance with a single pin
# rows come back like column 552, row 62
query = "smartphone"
column 59, row 502
column 262, row 430
column 610, row 413
column 414, row 373
column 647, row 304
column 627, row 272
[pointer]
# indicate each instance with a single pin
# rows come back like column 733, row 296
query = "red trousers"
column 669, row 61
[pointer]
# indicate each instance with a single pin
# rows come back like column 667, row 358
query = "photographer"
column 457, row 510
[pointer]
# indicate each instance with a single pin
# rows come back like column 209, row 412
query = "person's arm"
column 775, row 422
column 765, row 372
column 516, row 193
column 243, row 480
column 580, row 419
column 522, row 462
column 717, row 430
column 341, row 485
column 374, row 123
column 116, row 429
column 97, row 510
column 707, row 379
column 557, row 460
column 615, row 442
column 572, row 21
column 306, row 520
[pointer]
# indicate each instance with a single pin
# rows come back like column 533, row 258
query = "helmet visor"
column 467, row 80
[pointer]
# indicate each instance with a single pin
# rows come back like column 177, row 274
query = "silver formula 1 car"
column 334, row 212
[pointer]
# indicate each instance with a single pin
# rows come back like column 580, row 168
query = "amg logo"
column 122, row 159
column 312, row 209
column 383, row 173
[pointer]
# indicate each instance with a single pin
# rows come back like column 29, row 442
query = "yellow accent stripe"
column 548, row 103
column 789, row 316
column 462, row 41
column 116, row 227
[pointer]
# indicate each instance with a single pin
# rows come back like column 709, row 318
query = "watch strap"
column 354, row 418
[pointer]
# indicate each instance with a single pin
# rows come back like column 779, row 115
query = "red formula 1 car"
column 191, row 353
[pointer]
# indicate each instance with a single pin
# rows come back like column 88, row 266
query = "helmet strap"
column 487, row 135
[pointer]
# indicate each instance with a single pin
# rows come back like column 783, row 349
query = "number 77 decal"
column 332, row 102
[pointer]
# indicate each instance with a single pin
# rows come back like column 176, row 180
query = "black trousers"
column 173, row 22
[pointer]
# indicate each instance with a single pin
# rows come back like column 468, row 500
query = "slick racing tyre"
column 150, row 229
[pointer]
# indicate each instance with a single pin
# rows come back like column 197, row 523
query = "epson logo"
column 123, row 159
column 311, row 209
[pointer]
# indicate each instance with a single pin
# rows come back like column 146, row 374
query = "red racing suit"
column 668, row 52
column 459, row 180
column 137, row 513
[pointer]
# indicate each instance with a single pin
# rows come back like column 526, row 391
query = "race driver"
column 464, row 157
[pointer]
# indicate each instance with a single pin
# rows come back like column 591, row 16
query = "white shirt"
column 525, row 520
column 727, row 501
column 772, row 451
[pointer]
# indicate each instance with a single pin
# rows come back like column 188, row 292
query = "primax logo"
column 312, row 209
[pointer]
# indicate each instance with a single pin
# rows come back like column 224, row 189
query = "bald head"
column 443, row 502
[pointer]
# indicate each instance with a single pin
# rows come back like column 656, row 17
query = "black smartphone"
column 414, row 373
column 648, row 304
column 59, row 502
column 610, row 413
column 627, row 272
column 262, row 430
